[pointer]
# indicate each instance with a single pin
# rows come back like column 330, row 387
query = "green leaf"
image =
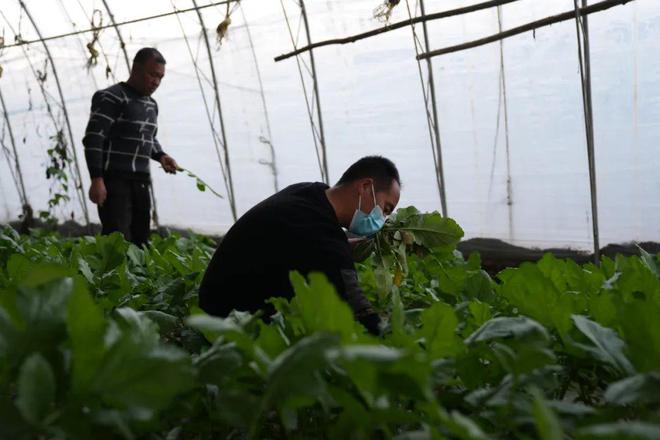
column 213, row 327
column 639, row 320
column 428, row 230
column 18, row 266
column 201, row 186
column 138, row 373
column 641, row 389
column 547, row 423
column 439, row 331
column 378, row 370
column 480, row 312
column 536, row 295
column 270, row 340
column 650, row 262
column 86, row 326
column 294, row 378
column 621, row 430
column 608, row 347
column 505, row 328
column 43, row 273
column 36, row 388
column 166, row 322
column 321, row 309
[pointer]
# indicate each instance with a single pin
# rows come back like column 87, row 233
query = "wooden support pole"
column 440, row 175
column 569, row 15
column 398, row 25
column 324, row 159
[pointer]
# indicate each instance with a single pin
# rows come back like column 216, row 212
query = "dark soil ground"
column 496, row 255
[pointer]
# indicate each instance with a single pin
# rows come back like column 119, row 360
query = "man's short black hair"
column 382, row 170
column 147, row 53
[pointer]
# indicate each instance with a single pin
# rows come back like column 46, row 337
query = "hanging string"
column 310, row 107
column 435, row 143
column 265, row 140
column 217, row 141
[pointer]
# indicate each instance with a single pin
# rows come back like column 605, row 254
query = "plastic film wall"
column 510, row 115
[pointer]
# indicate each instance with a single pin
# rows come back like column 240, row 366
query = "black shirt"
column 295, row 229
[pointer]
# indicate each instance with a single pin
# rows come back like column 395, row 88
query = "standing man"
column 300, row 228
column 120, row 139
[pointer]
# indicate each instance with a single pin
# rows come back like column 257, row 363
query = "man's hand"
column 355, row 241
column 97, row 191
column 169, row 164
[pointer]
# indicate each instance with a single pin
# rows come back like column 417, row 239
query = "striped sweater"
column 121, row 134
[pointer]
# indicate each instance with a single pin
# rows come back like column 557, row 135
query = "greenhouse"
column 515, row 288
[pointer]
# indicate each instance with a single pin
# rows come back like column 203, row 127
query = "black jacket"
column 295, row 229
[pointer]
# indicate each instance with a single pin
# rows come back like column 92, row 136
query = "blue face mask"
column 367, row 224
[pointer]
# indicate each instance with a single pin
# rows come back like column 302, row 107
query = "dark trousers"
column 127, row 209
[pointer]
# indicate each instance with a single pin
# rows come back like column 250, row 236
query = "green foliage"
column 101, row 339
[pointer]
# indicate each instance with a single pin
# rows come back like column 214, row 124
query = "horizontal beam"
column 394, row 26
column 137, row 20
column 569, row 15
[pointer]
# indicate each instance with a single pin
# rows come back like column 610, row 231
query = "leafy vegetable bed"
column 100, row 339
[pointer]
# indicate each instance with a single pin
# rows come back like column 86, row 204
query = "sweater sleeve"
column 156, row 150
column 105, row 109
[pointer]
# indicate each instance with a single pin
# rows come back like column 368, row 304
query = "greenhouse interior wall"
column 514, row 149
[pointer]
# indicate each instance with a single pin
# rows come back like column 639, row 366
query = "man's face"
column 386, row 199
column 150, row 75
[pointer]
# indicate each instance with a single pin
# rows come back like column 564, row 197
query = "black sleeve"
column 361, row 306
column 340, row 270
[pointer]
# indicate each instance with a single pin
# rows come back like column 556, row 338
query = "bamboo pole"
column 326, row 176
column 136, row 20
column 585, row 73
column 394, row 26
column 569, row 15
column 440, row 175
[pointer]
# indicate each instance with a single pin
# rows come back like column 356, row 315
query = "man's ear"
column 365, row 184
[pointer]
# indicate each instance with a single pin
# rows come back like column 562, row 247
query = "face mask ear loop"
column 373, row 191
column 359, row 202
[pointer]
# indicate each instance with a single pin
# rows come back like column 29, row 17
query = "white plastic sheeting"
column 371, row 100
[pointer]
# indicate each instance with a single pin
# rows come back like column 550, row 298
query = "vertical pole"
column 316, row 93
column 509, row 184
column 440, row 175
column 590, row 137
column 230, row 183
column 21, row 189
column 81, row 192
